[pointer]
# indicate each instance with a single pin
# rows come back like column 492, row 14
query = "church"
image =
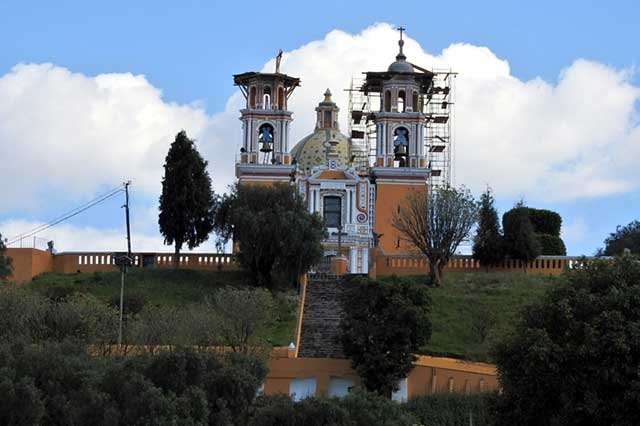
column 399, row 130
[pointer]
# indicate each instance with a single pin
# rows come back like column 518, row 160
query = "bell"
column 400, row 153
column 266, row 147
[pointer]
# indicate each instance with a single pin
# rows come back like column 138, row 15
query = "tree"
column 520, row 241
column 573, row 357
column 273, row 229
column 187, row 200
column 5, row 261
column 436, row 224
column 384, row 324
column 242, row 314
column 625, row 237
column 487, row 244
column 550, row 245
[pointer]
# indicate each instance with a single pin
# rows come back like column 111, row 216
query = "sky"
column 92, row 94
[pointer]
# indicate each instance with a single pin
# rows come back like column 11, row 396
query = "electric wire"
column 68, row 215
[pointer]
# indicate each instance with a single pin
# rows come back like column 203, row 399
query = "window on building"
column 332, row 211
column 402, row 101
column 401, row 395
column 252, row 97
column 339, row 386
column 327, row 119
column 387, row 101
column 414, row 104
column 300, row 389
column 281, row 98
column 267, row 97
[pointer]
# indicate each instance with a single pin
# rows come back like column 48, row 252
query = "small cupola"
column 327, row 113
column 401, row 65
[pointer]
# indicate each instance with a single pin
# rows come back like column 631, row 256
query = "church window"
column 332, row 211
column 414, row 104
column 252, row 97
column 402, row 98
column 281, row 98
column 327, row 119
column 267, row 98
column 401, row 146
column 387, row 101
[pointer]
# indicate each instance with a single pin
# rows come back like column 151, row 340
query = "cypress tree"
column 187, row 201
column 487, row 244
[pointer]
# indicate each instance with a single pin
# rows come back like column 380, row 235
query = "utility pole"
column 128, row 261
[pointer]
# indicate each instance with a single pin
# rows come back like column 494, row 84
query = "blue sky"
column 188, row 50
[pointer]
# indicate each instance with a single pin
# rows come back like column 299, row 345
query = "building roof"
column 311, row 150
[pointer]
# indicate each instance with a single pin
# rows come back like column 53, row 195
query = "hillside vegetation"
column 472, row 310
column 166, row 287
column 469, row 311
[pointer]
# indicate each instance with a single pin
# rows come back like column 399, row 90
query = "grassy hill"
column 469, row 303
column 464, row 308
column 164, row 287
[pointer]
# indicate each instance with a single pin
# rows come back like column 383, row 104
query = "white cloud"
column 70, row 134
column 69, row 237
column 576, row 138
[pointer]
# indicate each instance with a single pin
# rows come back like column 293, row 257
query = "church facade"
column 356, row 200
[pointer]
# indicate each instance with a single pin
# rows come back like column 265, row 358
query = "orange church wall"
column 403, row 264
column 28, row 262
column 430, row 375
column 389, row 196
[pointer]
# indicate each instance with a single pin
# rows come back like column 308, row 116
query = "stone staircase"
column 321, row 318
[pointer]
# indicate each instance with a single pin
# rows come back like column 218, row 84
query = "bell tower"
column 400, row 156
column 264, row 156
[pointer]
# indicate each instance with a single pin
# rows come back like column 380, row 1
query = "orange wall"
column 28, row 262
column 389, row 264
column 389, row 196
column 430, row 375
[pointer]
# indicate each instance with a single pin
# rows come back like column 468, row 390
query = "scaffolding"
column 437, row 106
column 362, row 129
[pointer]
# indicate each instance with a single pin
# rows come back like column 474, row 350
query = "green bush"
column 573, row 356
column 453, row 409
column 133, row 303
column 545, row 221
column 60, row 293
column 551, row 245
column 359, row 408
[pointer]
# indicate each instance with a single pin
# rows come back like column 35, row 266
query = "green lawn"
column 462, row 301
column 468, row 299
column 160, row 287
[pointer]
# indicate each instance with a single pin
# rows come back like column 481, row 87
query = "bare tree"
column 436, row 223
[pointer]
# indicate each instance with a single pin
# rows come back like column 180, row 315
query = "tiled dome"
column 311, row 150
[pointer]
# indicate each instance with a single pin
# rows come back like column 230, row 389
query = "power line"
column 67, row 215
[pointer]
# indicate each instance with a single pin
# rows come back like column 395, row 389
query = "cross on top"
column 401, row 29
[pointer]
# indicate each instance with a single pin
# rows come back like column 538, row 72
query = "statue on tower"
column 278, row 59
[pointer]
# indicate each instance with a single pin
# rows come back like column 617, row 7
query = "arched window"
column 281, row 98
column 265, row 138
column 387, row 101
column 401, row 146
column 252, row 97
column 332, row 211
column 266, row 98
column 327, row 119
column 414, row 104
column 402, row 101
